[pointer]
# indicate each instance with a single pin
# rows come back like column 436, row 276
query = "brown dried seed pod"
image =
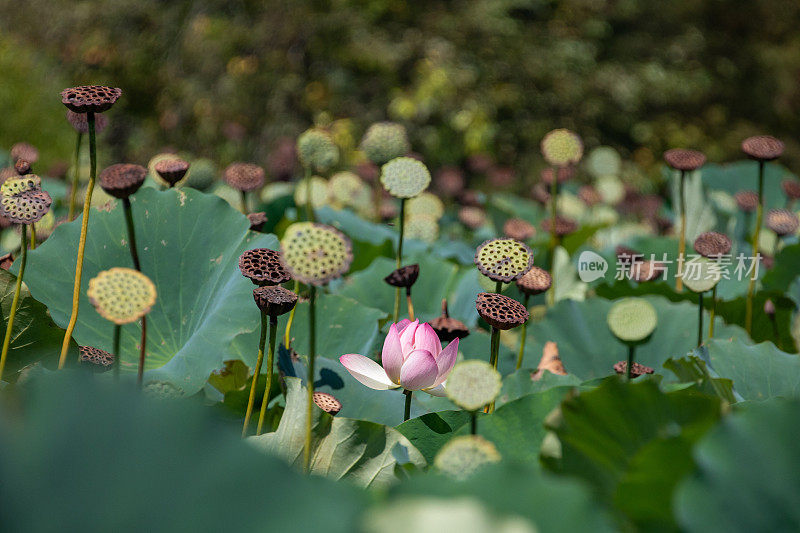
column 22, row 167
column 81, row 124
column 643, row 271
column 540, row 193
column 388, row 210
column 535, row 281
column 564, row 175
column 636, row 371
column 26, row 207
column 404, row 276
column 712, row 244
column 244, row 176
column 263, row 266
column 6, row 261
column 274, row 300
column 448, row 328
column 472, row 217
column 564, row 226
column 257, row 220
column 503, row 259
column 101, row 358
column 500, row 311
column 791, row 188
column 519, row 229
column 589, row 195
column 172, row 170
column 25, row 151
column 680, row 159
column 662, row 224
column 627, row 255
column 90, row 98
column 746, row 200
column 782, row 221
column 762, row 147
column 327, row 402
column 123, row 179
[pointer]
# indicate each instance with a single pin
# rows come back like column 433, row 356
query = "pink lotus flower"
column 412, row 358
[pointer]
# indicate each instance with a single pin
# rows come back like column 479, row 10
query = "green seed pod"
column 463, row 456
column 319, row 192
column 405, row 177
column 202, row 174
column 562, row 147
column 503, row 260
column 422, row 227
column 473, row 384
column 384, row 141
column 315, row 254
column 632, row 320
column 121, row 295
column 426, row 204
column 316, row 150
column 22, row 201
column 701, row 274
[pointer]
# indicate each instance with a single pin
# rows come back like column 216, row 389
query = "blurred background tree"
column 227, row 79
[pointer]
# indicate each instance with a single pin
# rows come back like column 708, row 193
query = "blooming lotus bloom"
column 412, row 358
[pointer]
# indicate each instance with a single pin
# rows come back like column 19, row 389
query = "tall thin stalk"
column 87, row 204
column 312, row 344
column 256, row 373
column 142, row 346
column 287, row 336
column 33, row 237
column 273, row 329
column 524, row 331
column 751, row 287
column 407, row 409
column 712, row 312
column 700, row 320
column 15, row 301
column 115, row 348
column 494, row 349
column 682, row 241
column 396, row 315
column 410, row 304
column 244, row 202
column 73, row 193
column 553, row 237
column 631, row 353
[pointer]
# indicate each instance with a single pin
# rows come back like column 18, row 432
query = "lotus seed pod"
column 90, row 98
column 346, row 189
column 257, row 220
column 712, row 244
column 25, row 151
column 122, row 180
column 501, row 311
column 463, row 456
column 472, row 217
column 471, row 198
column 448, row 328
column 22, row 167
column 101, row 360
column 6, row 261
column 644, row 271
column 403, row 277
column 636, row 370
column 535, row 281
column 21, row 184
column 611, row 189
column 632, row 320
column 540, row 194
column 473, row 384
column 383, row 141
column 202, row 174
column 426, row 204
column 121, row 295
column 762, row 148
column 684, row 160
column 244, row 177
column 317, row 151
column 603, row 161
column 782, row 221
column 263, row 266
column 449, row 181
column 327, row 402
column 405, row 177
column 22, row 201
column 423, row 228
column 80, row 122
column 701, row 274
column 503, row 260
column 791, row 188
column 564, row 174
column 564, row 226
column 518, row 229
column 747, row 201
column 562, row 147
column 274, row 300
column 589, row 195
column 315, row 254
column 319, row 192
column 172, row 170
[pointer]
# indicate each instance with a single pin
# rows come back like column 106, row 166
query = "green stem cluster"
column 396, row 315
column 73, row 193
column 15, row 301
column 256, row 372
column 312, row 343
column 524, row 333
column 273, row 330
column 407, row 410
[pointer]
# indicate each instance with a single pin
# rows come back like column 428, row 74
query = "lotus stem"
column 309, row 207
column 751, row 287
column 256, row 372
column 87, row 205
column 33, row 237
column 682, row 241
column 524, row 332
column 631, row 353
column 115, row 347
column 494, row 349
column 410, row 304
column 407, row 410
column 287, row 336
column 244, row 202
column 73, row 193
column 551, row 295
column 14, row 302
column 396, row 315
column 142, row 347
column 473, row 425
column 273, row 330
column 131, row 233
column 700, row 320
column 312, row 341
column 498, row 287
column 712, row 312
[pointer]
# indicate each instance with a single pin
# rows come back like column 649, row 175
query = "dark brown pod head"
column 123, row 179
column 25, row 151
column 627, row 255
column 564, row 175
column 782, row 221
column 564, row 226
column 448, row 328
column 6, row 261
column 274, row 300
column 636, row 371
column 404, row 276
column 589, row 195
column 680, row 159
column 535, row 281
column 662, row 224
column 100, row 359
column 22, row 167
column 519, row 229
column 540, row 193
column 27, row 207
column 712, row 244
column 762, row 148
column 327, row 402
column 643, row 271
column 263, row 266
column 81, row 123
column 257, row 220
column 472, row 217
column 500, row 311
column 90, row 98
column 746, row 200
column 791, row 188
column 244, row 176
column 172, row 170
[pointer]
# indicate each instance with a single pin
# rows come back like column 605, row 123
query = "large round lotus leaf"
column 632, row 319
column 189, row 244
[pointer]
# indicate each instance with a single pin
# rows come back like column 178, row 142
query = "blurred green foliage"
column 227, row 79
